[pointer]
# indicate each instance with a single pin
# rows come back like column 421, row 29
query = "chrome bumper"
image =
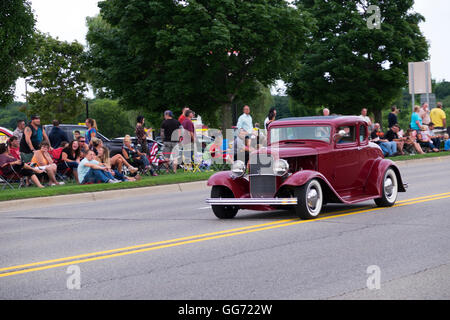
column 251, row 201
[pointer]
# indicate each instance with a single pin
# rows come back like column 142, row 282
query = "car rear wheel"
column 309, row 200
column 223, row 212
column 389, row 190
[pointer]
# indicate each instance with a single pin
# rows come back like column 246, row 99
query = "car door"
column 346, row 159
column 366, row 157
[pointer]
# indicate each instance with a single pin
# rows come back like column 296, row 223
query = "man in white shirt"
column 367, row 119
column 245, row 121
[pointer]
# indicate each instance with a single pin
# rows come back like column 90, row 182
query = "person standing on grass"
column 18, row 133
column 392, row 117
column 141, row 135
column 438, row 117
column 245, row 121
column 57, row 135
column 424, row 113
column 416, row 120
column 170, row 135
column 32, row 137
column 91, row 132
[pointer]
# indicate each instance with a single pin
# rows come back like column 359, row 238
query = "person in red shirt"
column 188, row 125
column 13, row 147
column 183, row 115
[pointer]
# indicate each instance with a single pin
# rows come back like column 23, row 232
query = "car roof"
column 331, row 120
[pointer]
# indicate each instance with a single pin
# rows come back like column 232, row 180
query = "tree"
column 10, row 114
column 353, row 63
column 16, row 30
column 442, row 90
column 57, row 72
column 199, row 53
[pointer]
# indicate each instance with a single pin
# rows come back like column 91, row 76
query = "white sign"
column 419, row 77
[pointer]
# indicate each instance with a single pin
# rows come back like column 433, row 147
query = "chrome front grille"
column 263, row 186
column 262, row 180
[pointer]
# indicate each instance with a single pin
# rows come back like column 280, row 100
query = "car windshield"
column 286, row 134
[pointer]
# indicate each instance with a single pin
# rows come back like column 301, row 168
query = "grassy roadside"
column 421, row 156
column 72, row 188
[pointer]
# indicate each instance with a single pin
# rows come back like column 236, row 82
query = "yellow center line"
column 101, row 255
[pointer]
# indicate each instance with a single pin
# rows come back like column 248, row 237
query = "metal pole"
column 87, row 109
column 412, row 87
column 427, row 73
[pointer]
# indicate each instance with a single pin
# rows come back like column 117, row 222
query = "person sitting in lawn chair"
column 44, row 161
column 11, row 168
column 135, row 157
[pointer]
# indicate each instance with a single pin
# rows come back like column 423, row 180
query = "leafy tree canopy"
column 162, row 54
column 16, row 31
column 56, row 70
column 349, row 64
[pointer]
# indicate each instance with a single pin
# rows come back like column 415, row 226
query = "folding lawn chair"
column 8, row 178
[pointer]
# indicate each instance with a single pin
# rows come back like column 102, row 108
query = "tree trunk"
column 226, row 115
column 378, row 117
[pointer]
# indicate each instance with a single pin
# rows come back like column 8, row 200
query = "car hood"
column 289, row 152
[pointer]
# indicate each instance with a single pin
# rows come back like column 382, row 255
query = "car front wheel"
column 309, row 200
column 223, row 212
column 389, row 190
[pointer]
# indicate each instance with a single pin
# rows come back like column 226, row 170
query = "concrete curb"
column 24, row 204
column 409, row 163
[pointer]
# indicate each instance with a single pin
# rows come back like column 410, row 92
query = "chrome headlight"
column 281, row 167
column 238, row 169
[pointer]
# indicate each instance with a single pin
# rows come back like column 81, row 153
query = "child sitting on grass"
column 447, row 142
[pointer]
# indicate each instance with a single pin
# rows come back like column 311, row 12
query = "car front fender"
column 239, row 186
column 301, row 177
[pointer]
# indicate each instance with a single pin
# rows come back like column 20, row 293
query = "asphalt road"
column 170, row 246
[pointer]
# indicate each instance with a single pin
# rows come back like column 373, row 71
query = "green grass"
column 421, row 156
column 73, row 188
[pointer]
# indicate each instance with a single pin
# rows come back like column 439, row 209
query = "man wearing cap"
column 170, row 135
column 32, row 137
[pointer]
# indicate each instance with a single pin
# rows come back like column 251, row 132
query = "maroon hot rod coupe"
column 307, row 163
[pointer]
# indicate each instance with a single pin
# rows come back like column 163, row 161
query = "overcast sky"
column 66, row 19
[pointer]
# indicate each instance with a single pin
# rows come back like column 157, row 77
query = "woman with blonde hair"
column 117, row 161
column 105, row 160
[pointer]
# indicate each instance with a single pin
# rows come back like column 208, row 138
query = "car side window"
column 362, row 133
column 349, row 136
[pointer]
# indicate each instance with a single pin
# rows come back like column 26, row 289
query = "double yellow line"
column 101, row 255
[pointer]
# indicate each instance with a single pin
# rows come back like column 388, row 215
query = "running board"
column 251, row 201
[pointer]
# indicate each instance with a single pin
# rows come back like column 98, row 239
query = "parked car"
column 308, row 162
column 5, row 134
column 115, row 146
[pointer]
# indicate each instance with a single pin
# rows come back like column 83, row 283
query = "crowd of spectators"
column 40, row 159
column 427, row 132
